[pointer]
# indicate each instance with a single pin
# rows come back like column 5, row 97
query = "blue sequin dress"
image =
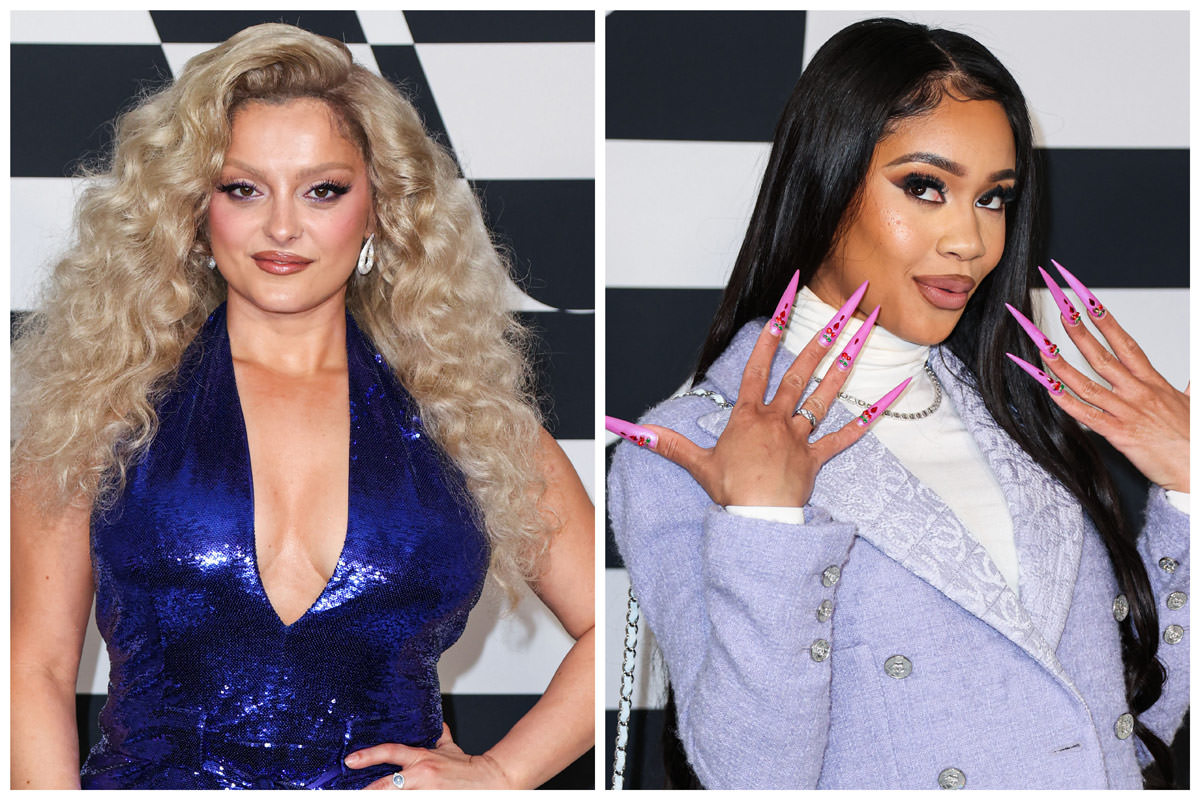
column 208, row 687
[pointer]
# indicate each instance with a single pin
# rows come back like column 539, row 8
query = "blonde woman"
column 272, row 416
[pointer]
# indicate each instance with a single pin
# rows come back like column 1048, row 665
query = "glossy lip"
column 279, row 262
column 947, row 292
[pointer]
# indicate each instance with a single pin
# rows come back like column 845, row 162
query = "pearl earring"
column 366, row 256
column 212, row 263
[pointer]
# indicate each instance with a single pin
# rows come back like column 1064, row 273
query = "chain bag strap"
column 625, row 706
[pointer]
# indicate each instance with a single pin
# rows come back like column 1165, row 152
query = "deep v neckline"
column 250, row 528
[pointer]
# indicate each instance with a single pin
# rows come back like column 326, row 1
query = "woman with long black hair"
column 887, row 555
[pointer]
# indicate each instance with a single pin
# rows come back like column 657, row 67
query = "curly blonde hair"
column 128, row 297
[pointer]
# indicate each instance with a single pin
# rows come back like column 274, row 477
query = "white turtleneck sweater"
column 937, row 449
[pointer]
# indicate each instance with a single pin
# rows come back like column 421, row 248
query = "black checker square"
column 428, row 27
column 65, row 96
column 564, row 353
column 1115, row 237
column 217, row 26
column 700, row 75
column 652, row 341
column 547, row 228
column 400, row 65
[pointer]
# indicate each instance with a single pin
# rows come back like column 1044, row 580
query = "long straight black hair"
column 860, row 83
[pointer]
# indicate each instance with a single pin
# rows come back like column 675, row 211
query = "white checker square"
column 385, row 27
column 42, row 210
column 516, row 110
column 82, row 27
column 1099, row 79
column 676, row 212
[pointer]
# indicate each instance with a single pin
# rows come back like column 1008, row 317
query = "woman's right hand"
column 764, row 456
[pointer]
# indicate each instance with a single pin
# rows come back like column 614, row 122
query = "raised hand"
column 764, row 456
column 1139, row 413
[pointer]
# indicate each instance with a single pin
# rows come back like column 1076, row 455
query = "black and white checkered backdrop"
column 692, row 101
column 511, row 93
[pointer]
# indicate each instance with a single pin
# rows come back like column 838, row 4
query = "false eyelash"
column 921, row 180
column 226, row 188
column 333, row 186
column 1007, row 194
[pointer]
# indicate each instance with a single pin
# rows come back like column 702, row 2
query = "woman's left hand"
column 1141, row 415
column 445, row 766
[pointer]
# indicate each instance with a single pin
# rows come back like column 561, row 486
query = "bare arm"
column 561, row 725
column 51, row 596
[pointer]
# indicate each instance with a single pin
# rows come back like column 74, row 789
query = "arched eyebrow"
column 953, row 167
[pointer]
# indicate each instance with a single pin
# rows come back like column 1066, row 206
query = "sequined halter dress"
column 208, row 688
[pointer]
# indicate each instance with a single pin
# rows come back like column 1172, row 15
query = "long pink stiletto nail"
column 1064, row 305
column 881, row 405
column 1093, row 305
column 1054, row 387
column 856, row 344
column 784, row 309
column 642, row 437
column 1049, row 349
column 834, row 329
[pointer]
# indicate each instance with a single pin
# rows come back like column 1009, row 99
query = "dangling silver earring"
column 212, row 263
column 366, row 256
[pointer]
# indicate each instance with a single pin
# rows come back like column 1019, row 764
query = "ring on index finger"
column 398, row 780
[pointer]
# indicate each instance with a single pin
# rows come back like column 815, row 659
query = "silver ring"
column 808, row 415
column 398, row 780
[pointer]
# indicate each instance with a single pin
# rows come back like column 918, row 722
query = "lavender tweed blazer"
column 936, row 673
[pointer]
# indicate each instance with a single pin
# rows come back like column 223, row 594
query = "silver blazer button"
column 1176, row 600
column 825, row 611
column 1124, row 726
column 831, row 575
column 952, row 778
column 819, row 650
column 1173, row 634
column 897, row 667
column 1120, row 608
column 1168, row 564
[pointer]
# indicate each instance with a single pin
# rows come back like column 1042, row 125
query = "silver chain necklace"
column 925, row 412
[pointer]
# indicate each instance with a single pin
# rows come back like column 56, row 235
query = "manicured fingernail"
column 1055, row 387
column 881, row 405
column 860, row 336
column 784, row 309
column 1049, row 349
column 1064, row 305
column 834, row 329
column 1093, row 305
column 642, row 437
column 353, row 758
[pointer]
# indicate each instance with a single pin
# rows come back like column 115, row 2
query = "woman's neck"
column 293, row 344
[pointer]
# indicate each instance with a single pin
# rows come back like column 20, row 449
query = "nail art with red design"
column 856, row 344
column 1089, row 300
column 881, row 405
column 784, row 309
column 1049, row 349
column 1064, row 305
column 642, row 437
column 834, row 329
column 1053, row 386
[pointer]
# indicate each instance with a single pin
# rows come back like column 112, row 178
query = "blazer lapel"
column 1048, row 524
column 916, row 529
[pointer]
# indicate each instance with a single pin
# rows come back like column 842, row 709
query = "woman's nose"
column 962, row 237
column 283, row 223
